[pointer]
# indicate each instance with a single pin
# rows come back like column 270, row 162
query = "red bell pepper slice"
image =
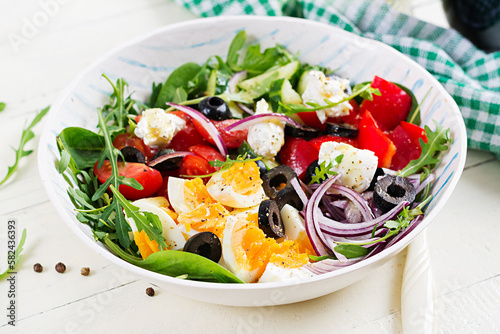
column 298, row 154
column 372, row 138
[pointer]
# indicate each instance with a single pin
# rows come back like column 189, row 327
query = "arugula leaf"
column 120, row 107
column 26, row 136
column 256, row 63
column 177, row 79
column 83, row 145
column 351, row 251
column 365, row 91
column 438, row 141
column 2, row 106
column 321, row 173
column 177, row 263
column 18, row 256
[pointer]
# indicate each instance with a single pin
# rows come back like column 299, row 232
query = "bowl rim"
column 43, row 162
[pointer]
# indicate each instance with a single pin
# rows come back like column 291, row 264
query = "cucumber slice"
column 255, row 83
column 303, row 82
column 282, row 91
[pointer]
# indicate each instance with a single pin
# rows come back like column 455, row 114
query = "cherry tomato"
column 298, row 154
column 232, row 139
column 195, row 165
column 207, row 152
column 316, row 142
column 406, row 148
column 186, row 138
column 148, row 177
column 391, row 107
column 127, row 140
column 372, row 138
column 415, row 132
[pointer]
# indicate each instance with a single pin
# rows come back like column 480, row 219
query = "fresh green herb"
column 176, row 85
column 320, row 258
column 84, row 146
column 365, row 91
column 177, row 263
column 351, row 251
column 2, row 106
column 233, row 54
column 17, row 257
column 26, row 136
column 120, row 107
column 321, row 173
column 414, row 115
column 438, row 141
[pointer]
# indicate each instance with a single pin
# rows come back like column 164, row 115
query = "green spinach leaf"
column 83, row 145
column 178, row 79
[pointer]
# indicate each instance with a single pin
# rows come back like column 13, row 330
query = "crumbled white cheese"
column 266, row 138
column 357, row 167
column 319, row 88
column 157, row 127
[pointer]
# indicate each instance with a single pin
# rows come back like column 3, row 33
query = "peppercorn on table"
column 63, row 287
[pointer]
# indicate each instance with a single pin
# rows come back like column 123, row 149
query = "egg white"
column 292, row 222
column 175, row 192
column 274, row 273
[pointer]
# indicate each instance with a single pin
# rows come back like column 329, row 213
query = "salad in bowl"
column 251, row 160
column 256, row 168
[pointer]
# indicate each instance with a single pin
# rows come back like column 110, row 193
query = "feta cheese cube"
column 157, row 127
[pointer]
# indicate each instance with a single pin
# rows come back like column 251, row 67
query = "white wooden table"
column 43, row 45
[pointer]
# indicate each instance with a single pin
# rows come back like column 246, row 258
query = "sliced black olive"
column 131, row 154
column 205, row 244
column 342, row 130
column 171, row 162
column 262, row 167
column 378, row 172
column 288, row 195
column 270, row 219
column 273, row 179
column 311, row 172
column 392, row 190
column 305, row 132
column 215, row 108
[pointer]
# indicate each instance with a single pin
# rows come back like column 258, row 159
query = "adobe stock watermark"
column 31, row 26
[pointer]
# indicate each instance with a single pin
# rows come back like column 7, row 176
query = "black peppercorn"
column 37, row 267
column 150, row 292
column 85, row 271
column 60, row 267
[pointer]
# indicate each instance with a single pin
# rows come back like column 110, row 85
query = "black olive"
column 378, row 173
column 131, row 154
column 311, row 171
column 342, row 130
column 288, row 195
column 274, row 178
column 205, row 244
column 304, row 131
column 270, row 219
column 262, row 167
column 215, row 108
column 168, row 163
column 391, row 190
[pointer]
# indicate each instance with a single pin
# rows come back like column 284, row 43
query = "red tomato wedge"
column 311, row 119
column 372, row 138
column 316, row 142
column 194, row 165
column 148, row 177
column 186, row 138
column 232, row 139
column 406, row 148
column 391, row 107
column 298, row 154
column 415, row 132
column 207, row 152
column 127, row 140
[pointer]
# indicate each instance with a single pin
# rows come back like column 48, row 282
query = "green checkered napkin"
column 468, row 74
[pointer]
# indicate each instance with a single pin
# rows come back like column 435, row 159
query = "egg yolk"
column 195, row 193
column 289, row 255
column 209, row 217
column 244, row 177
column 146, row 246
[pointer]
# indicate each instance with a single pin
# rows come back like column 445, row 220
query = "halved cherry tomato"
column 316, row 142
column 232, row 139
column 149, row 178
column 391, row 107
column 127, row 140
column 415, row 132
column 406, row 148
column 298, row 154
column 194, row 165
column 186, row 138
column 372, row 138
column 207, row 152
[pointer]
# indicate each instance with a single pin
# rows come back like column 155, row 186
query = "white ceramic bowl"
column 152, row 57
